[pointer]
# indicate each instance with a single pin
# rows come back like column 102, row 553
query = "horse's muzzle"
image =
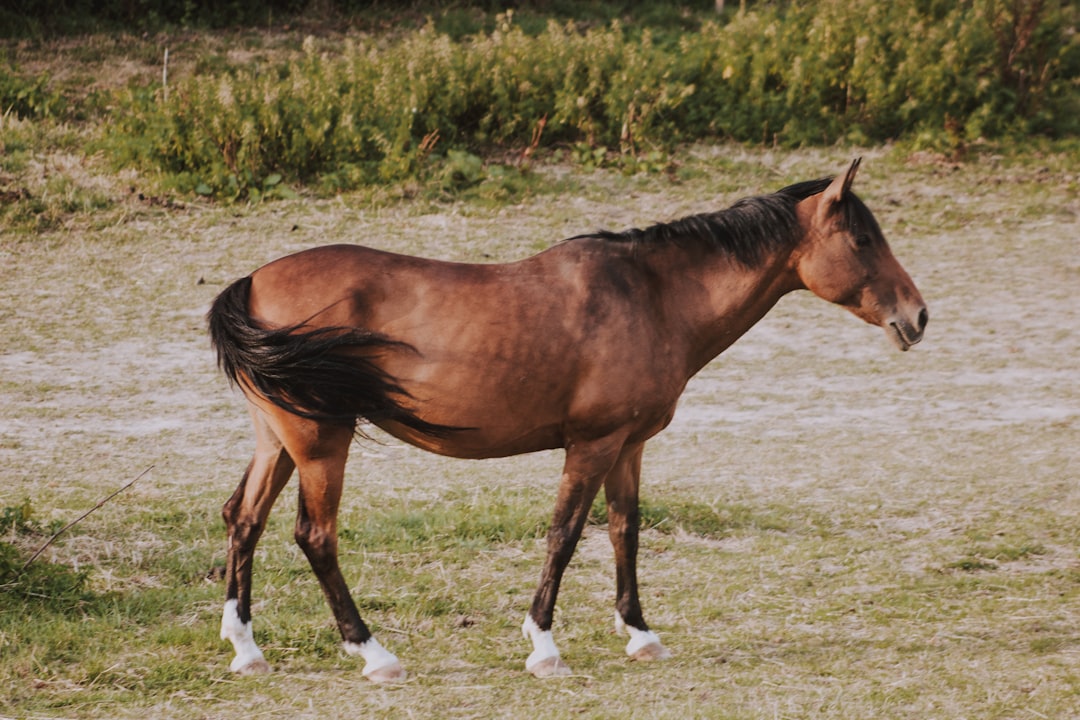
column 904, row 333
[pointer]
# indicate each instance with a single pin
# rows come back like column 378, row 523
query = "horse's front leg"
column 621, row 490
column 245, row 516
column 584, row 470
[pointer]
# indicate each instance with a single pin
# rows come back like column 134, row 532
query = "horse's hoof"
column 255, row 667
column 392, row 673
column 652, row 651
column 550, row 667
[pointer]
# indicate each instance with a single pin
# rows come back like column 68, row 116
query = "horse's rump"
column 328, row 374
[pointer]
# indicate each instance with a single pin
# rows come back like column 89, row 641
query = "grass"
column 834, row 529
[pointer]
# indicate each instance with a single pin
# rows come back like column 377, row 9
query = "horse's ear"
column 839, row 187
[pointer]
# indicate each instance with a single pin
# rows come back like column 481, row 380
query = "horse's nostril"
column 923, row 319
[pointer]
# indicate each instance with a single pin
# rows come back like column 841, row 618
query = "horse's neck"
column 724, row 300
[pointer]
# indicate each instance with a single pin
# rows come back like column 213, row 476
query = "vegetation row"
column 791, row 74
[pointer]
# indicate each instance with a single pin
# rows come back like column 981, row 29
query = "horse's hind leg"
column 621, row 490
column 321, row 464
column 245, row 516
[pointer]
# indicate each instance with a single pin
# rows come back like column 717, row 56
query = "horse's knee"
column 230, row 511
column 243, row 535
column 561, row 542
column 623, row 516
column 622, row 531
column 318, row 544
column 239, row 522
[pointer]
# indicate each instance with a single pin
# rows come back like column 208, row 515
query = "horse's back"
column 358, row 286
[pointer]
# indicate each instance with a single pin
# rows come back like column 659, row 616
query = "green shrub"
column 28, row 97
column 787, row 73
column 870, row 71
column 370, row 114
column 19, row 520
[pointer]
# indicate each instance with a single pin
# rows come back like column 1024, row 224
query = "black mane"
column 749, row 230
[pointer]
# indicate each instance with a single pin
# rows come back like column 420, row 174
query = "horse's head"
column 843, row 258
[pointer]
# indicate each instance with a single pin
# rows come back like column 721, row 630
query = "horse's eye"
column 863, row 241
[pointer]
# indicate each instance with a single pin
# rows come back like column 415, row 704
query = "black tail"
column 308, row 372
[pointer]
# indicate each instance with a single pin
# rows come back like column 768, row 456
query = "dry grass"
column 891, row 535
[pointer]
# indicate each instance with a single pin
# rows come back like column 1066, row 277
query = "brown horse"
column 586, row 346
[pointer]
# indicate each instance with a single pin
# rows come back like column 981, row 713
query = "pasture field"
column 835, row 529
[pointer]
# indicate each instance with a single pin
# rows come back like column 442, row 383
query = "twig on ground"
column 79, row 519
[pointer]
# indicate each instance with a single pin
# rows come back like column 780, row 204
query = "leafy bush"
column 19, row 520
column 871, row 71
column 792, row 74
column 28, row 97
column 371, row 114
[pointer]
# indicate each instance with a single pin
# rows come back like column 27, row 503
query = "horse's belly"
column 481, row 442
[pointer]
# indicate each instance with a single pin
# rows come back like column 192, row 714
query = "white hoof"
column 255, row 667
column 388, row 674
column 380, row 665
column 544, row 661
column 548, row 667
column 644, row 644
column 652, row 651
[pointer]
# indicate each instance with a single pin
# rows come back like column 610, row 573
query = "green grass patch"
column 473, row 520
column 711, row 520
column 43, row 585
column 457, row 520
